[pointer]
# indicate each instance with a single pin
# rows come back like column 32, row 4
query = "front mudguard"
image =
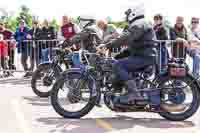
column 56, row 68
column 95, row 90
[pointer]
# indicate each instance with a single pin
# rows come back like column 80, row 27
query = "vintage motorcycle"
column 49, row 71
column 174, row 94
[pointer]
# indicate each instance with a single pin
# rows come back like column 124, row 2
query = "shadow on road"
column 37, row 101
column 118, row 123
column 16, row 81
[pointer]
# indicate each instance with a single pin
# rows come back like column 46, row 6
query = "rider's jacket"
column 140, row 40
column 89, row 37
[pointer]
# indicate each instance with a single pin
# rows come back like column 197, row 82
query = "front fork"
column 50, row 75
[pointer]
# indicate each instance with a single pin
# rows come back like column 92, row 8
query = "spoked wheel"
column 72, row 97
column 180, row 98
column 73, row 94
column 43, row 79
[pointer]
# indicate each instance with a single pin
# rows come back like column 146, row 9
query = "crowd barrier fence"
column 26, row 55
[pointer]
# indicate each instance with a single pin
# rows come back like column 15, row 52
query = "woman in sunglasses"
column 195, row 47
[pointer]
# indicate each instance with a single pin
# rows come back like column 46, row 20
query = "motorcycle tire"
column 36, row 75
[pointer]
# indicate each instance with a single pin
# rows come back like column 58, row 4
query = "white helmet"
column 135, row 13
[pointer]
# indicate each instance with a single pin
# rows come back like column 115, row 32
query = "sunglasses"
column 195, row 22
column 156, row 18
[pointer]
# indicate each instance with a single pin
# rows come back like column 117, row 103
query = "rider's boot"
column 132, row 95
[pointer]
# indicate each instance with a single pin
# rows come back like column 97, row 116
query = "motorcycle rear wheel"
column 192, row 108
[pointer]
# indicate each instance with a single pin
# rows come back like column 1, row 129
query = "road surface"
column 23, row 112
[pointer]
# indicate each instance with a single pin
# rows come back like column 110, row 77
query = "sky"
column 103, row 8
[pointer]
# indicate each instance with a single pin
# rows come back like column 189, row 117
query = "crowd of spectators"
column 25, row 40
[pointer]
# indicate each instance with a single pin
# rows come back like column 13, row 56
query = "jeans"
column 164, row 58
column 195, row 54
column 196, row 64
column 45, row 55
column 123, row 67
column 24, row 58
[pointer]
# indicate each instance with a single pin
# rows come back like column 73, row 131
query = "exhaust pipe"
column 173, row 107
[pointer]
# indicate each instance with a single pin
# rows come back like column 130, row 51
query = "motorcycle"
column 174, row 94
column 50, row 71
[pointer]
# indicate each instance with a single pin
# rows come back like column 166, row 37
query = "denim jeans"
column 124, row 66
column 195, row 54
column 164, row 58
column 45, row 55
column 196, row 64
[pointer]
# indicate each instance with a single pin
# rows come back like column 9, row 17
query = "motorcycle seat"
column 147, row 70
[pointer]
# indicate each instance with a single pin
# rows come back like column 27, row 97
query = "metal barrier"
column 26, row 55
column 23, row 56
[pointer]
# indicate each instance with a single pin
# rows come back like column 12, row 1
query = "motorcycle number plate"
column 177, row 71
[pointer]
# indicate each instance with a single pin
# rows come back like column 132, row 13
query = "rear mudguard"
column 195, row 81
column 82, row 72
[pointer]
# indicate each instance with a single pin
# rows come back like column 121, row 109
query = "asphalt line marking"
column 20, row 117
column 104, row 124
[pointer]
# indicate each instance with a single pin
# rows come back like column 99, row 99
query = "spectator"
column 195, row 27
column 109, row 32
column 20, row 36
column 179, row 31
column 161, row 34
column 47, row 35
column 3, row 52
column 195, row 52
column 8, row 35
column 66, row 31
column 35, row 50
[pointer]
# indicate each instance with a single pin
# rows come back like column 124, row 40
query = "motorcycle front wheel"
column 43, row 78
column 85, row 99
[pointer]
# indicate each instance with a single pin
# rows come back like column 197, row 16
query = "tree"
column 25, row 15
column 8, row 19
column 11, row 23
column 119, row 24
column 54, row 24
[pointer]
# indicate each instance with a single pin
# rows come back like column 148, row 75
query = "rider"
column 89, row 27
column 140, row 39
